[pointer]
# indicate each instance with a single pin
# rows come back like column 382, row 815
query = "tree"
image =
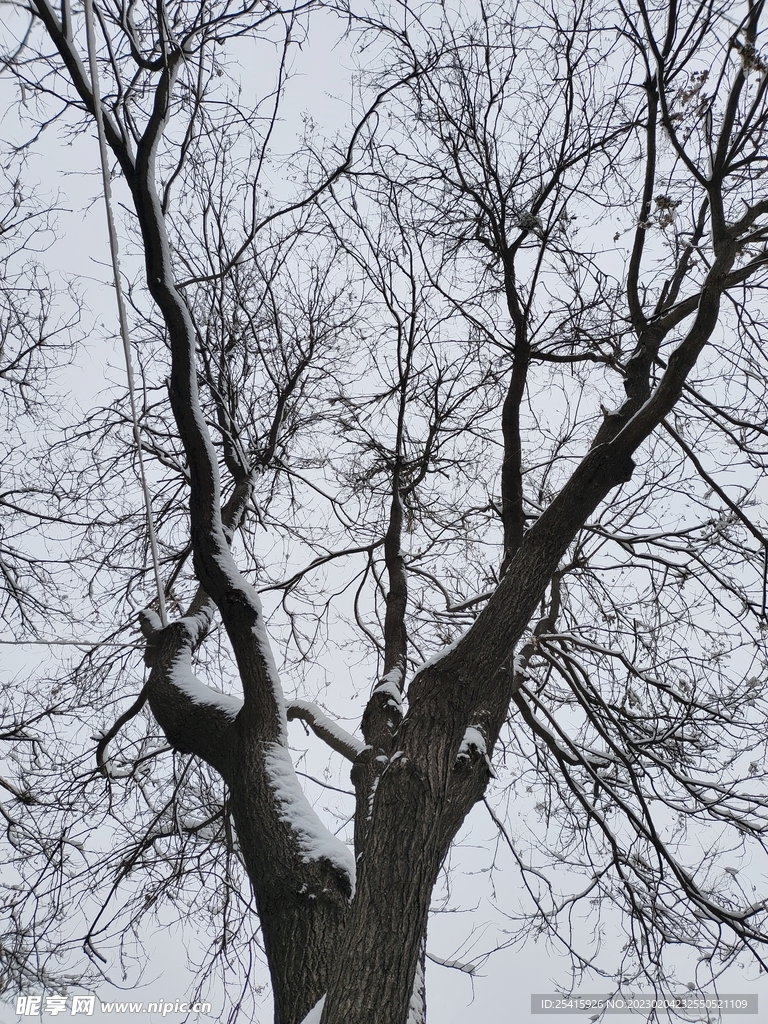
column 33, row 337
column 423, row 342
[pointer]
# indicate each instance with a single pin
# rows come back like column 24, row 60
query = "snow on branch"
column 391, row 684
column 315, row 842
column 181, row 676
column 456, row 965
column 337, row 738
column 194, row 717
column 439, row 655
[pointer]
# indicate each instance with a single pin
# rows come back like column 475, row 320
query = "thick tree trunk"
column 302, row 906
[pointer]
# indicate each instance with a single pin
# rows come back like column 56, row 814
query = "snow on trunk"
column 314, row 840
column 417, row 1006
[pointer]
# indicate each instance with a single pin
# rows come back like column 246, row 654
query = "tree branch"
column 321, row 725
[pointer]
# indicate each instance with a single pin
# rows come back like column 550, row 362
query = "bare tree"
column 498, row 354
column 35, row 334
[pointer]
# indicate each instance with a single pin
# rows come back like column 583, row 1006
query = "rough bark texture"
column 303, row 904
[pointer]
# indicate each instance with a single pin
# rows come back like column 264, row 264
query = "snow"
column 519, row 665
column 416, row 1007
column 259, row 632
column 314, row 840
column 442, row 653
column 314, row 1015
column 390, row 685
column 152, row 619
column 326, row 724
column 227, row 566
column 180, row 675
column 371, row 796
column 456, row 965
column 471, row 601
column 200, row 620
column 474, row 740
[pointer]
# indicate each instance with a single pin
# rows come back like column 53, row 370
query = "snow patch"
column 314, row 840
column 328, row 725
column 200, row 620
column 152, row 619
column 474, row 740
column 371, row 796
column 417, row 1006
column 180, row 675
column 443, row 653
column 519, row 665
column 259, row 632
column 390, row 685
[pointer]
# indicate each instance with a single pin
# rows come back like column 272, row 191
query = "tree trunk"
column 302, row 911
